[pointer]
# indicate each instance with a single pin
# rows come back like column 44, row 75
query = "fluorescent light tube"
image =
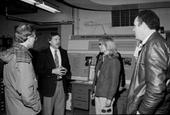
column 48, row 8
column 32, row 2
column 41, row 5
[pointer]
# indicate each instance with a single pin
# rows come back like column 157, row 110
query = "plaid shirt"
column 21, row 52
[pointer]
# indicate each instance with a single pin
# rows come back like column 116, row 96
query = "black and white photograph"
column 84, row 57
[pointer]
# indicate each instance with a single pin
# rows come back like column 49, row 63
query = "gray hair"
column 22, row 31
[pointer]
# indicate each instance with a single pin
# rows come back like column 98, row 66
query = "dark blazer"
column 47, row 80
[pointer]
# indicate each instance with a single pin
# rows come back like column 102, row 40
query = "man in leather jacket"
column 149, row 90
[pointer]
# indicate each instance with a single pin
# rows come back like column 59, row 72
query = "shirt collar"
column 53, row 50
column 146, row 39
column 140, row 45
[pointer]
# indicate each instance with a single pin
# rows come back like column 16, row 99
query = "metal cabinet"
column 80, row 95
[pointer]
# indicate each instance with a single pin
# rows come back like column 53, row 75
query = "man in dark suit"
column 53, row 71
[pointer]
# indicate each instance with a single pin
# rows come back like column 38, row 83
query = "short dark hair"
column 150, row 18
column 53, row 34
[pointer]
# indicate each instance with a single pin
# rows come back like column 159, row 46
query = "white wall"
column 66, row 32
column 85, row 22
column 90, row 22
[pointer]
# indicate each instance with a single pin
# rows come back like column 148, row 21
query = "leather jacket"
column 149, row 91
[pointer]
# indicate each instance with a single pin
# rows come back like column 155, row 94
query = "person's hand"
column 137, row 113
column 59, row 71
column 56, row 71
column 92, row 95
column 93, row 98
column 37, row 108
column 63, row 70
column 108, row 103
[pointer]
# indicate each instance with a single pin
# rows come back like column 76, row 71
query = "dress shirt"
column 58, row 53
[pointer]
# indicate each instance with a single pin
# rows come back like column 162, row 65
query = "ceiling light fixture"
column 41, row 5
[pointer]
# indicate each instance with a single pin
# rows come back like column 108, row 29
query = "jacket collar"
column 147, row 38
column 139, row 47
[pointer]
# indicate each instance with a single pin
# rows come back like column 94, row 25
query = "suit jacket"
column 44, row 66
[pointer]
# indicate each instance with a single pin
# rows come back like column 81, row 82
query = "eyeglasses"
column 99, row 44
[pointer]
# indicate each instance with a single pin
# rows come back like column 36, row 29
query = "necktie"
column 56, row 59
